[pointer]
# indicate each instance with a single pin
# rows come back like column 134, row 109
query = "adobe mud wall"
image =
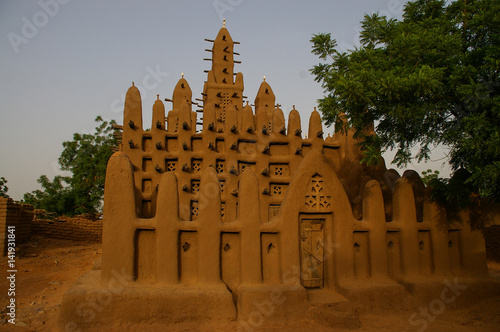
column 489, row 218
column 18, row 215
column 22, row 217
column 492, row 241
column 76, row 229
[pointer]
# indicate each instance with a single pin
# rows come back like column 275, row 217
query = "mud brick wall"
column 15, row 214
column 492, row 239
column 76, row 229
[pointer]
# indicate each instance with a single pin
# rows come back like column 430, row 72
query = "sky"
column 64, row 62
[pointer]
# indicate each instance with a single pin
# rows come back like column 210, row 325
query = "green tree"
column 55, row 196
column 429, row 79
column 85, row 157
column 429, row 175
column 3, row 187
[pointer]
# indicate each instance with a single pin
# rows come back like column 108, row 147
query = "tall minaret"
column 221, row 89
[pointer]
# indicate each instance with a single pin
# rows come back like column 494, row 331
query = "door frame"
column 326, row 221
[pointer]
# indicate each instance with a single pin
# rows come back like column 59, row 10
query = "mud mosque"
column 254, row 209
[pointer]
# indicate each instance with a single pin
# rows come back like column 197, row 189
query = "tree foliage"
column 429, row 175
column 3, row 187
column 55, row 196
column 85, row 157
column 430, row 79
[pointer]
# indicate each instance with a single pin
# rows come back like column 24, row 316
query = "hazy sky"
column 66, row 61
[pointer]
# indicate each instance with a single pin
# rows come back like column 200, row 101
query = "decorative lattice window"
column 317, row 198
column 325, row 201
column 196, row 165
column 279, row 169
column 225, row 100
column 222, row 184
column 222, row 116
column 222, row 210
column 278, row 189
column 171, row 165
column 194, row 210
column 219, row 166
column 195, row 186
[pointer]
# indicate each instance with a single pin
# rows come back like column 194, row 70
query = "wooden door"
column 311, row 252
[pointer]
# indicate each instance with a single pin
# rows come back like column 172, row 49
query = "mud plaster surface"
column 42, row 282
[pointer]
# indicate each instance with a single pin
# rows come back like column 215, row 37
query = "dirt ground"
column 46, row 268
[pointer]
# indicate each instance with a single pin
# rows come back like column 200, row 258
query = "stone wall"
column 15, row 214
column 76, row 229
